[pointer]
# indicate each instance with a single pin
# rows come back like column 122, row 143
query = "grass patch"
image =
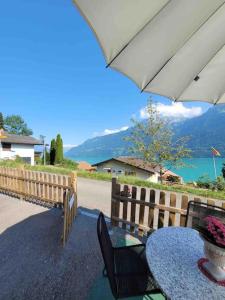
column 181, row 189
column 97, row 176
column 122, row 179
column 40, row 168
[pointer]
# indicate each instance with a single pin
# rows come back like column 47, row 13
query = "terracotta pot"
column 216, row 264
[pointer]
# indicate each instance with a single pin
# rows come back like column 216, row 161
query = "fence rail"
column 145, row 209
column 32, row 185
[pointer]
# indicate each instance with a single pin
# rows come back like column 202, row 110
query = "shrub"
column 219, row 183
column 223, row 170
column 68, row 164
column 204, row 182
column 173, row 179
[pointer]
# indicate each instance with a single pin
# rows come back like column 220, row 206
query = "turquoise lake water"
column 199, row 166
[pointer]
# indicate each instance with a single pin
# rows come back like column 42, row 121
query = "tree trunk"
column 161, row 174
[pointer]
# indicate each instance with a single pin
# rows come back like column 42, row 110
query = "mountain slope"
column 103, row 146
column 205, row 131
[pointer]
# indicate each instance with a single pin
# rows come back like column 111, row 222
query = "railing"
column 146, row 208
column 35, row 186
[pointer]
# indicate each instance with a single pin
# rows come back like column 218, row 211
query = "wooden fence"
column 45, row 189
column 147, row 208
column 70, row 208
column 42, row 187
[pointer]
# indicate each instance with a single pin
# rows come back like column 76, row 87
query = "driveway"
column 94, row 195
column 33, row 263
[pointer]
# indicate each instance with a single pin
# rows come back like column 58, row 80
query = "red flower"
column 217, row 229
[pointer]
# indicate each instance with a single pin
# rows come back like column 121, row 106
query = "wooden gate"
column 69, row 207
column 43, row 188
column 147, row 209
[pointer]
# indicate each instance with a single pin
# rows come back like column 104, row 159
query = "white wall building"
column 13, row 145
column 131, row 166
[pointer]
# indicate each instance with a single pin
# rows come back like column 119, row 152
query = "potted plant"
column 213, row 235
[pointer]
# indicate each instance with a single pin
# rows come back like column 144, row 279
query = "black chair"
column 126, row 267
column 197, row 211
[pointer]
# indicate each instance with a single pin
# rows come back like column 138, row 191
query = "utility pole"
column 42, row 138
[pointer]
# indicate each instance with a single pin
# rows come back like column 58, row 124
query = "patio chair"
column 197, row 211
column 126, row 267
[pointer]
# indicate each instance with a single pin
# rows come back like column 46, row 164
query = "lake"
column 199, row 166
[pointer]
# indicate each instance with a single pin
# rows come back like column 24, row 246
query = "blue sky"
column 52, row 73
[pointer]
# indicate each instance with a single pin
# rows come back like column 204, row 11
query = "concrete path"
column 33, row 263
column 94, row 194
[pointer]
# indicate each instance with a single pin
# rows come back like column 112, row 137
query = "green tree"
column 223, row 170
column 59, row 149
column 1, row 121
column 154, row 142
column 52, row 152
column 15, row 124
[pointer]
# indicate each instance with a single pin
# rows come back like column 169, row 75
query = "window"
column 6, row 147
column 130, row 173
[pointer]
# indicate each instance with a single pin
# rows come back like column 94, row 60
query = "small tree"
column 16, row 125
column 52, row 152
column 154, row 142
column 1, row 121
column 59, row 149
column 223, row 170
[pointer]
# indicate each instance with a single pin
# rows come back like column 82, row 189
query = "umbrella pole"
column 214, row 163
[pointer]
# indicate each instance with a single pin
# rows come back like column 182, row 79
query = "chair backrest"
column 107, row 251
column 197, row 211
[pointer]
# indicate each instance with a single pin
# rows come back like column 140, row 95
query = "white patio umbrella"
column 174, row 48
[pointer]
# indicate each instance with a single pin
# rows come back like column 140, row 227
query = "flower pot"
column 216, row 264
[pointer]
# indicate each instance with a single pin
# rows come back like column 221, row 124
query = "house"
column 12, row 145
column 171, row 176
column 84, row 166
column 132, row 166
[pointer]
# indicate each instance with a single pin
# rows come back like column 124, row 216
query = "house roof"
column 83, row 165
column 133, row 161
column 170, row 173
column 20, row 139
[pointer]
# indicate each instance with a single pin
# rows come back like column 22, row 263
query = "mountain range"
column 205, row 131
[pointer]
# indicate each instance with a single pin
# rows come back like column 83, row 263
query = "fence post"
column 21, row 182
column 113, row 204
column 73, row 176
column 65, row 222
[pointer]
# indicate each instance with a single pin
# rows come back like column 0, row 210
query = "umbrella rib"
column 156, row 74
column 181, row 47
column 108, row 65
column 216, row 101
column 117, row 55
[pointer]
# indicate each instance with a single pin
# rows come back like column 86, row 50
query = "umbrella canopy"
column 174, row 48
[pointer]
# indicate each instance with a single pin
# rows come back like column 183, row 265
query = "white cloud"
column 175, row 110
column 69, row 145
column 110, row 131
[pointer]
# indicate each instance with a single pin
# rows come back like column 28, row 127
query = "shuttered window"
column 6, row 146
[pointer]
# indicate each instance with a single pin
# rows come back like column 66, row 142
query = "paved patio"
column 35, row 266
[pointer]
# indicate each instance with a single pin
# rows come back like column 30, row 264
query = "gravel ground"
column 33, row 264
